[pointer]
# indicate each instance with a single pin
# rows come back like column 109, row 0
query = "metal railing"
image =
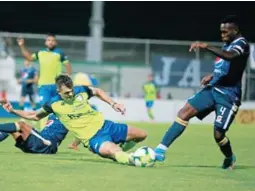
column 119, row 52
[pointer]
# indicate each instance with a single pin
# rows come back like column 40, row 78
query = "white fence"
column 120, row 54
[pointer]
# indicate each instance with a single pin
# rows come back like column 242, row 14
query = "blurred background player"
column 222, row 91
column 30, row 141
column 83, row 79
column 150, row 95
column 51, row 58
column 28, row 80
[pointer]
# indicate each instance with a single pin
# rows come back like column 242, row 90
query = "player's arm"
column 25, row 53
column 104, row 97
column 226, row 55
column 101, row 95
column 67, row 64
column 68, row 68
column 29, row 115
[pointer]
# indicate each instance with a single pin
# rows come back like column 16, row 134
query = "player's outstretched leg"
column 115, row 152
column 9, row 127
column 149, row 105
column 177, row 128
column 150, row 114
column 105, row 142
column 225, row 148
column 3, row 136
column 134, row 135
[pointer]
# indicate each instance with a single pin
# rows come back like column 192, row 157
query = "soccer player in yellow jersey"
column 99, row 135
column 81, row 79
column 51, row 60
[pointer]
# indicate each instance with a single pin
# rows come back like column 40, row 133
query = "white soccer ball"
column 144, row 157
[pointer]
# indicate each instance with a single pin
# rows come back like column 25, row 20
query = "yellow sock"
column 122, row 157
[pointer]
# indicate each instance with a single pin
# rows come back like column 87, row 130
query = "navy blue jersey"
column 54, row 130
column 227, row 75
column 27, row 74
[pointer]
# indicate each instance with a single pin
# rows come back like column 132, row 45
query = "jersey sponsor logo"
column 24, row 75
column 219, row 119
column 218, row 62
column 49, row 123
column 78, row 115
column 79, row 98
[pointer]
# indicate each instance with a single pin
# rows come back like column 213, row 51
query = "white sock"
column 163, row 147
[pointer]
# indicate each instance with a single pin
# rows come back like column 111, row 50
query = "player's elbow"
column 98, row 92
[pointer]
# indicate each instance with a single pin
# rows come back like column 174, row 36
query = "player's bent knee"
column 187, row 112
column 136, row 134
column 218, row 134
column 23, row 126
column 220, row 138
column 108, row 149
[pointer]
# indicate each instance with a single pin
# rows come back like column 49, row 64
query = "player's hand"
column 73, row 147
column 21, row 41
column 8, row 107
column 119, row 108
column 196, row 45
column 206, row 80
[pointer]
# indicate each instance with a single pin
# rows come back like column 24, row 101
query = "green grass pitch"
column 193, row 164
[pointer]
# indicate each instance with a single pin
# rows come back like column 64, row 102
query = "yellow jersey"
column 51, row 62
column 78, row 116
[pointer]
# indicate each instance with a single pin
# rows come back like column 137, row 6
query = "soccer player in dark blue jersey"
column 221, row 93
column 30, row 141
column 28, row 79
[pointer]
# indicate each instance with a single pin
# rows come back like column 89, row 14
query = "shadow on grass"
column 237, row 167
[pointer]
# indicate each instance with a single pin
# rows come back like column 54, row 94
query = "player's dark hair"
column 232, row 19
column 51, row 35
column 63, row 79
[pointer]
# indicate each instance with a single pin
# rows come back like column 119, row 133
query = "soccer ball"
column 144, row 157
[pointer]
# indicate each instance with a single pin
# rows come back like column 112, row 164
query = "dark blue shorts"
column 149, row 104
column 46, row 92
column 27, row 91
column 208, row 100
column 35, row 145
column 110, row 132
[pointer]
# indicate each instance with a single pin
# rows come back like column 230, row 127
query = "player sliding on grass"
column 221, row 93
column 30, row 141
column 99, row 135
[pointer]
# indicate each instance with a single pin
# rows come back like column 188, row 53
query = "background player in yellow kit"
column 51, row 58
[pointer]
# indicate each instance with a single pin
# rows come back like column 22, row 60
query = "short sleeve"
column 48, row 108
column 86, row 89
column 241, row 47
column 35, row 56
column 64, row 58
column 89, row 91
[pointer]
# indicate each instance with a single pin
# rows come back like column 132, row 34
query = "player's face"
column 228, row 32
column 50, row 42
column 26, row 63
column 150, row 78
column 66, row 93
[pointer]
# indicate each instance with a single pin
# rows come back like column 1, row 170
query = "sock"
column 225, row 147
column 34, row 107
column 3, row 136
column 128, row 145
column 173, row 132
column 9, row 127
column 122, row 157
column 21, row 107
column 150, row 114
